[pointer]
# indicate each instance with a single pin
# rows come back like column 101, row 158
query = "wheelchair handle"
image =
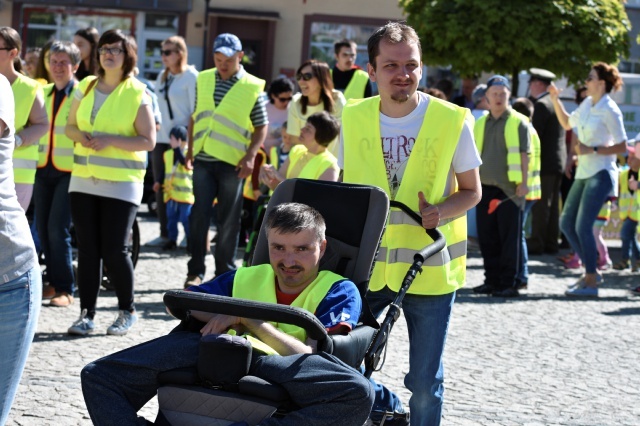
column 438, row 238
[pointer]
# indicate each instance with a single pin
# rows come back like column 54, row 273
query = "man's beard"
column 400, row 97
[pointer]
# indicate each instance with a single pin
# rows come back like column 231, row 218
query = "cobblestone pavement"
column 541, row 359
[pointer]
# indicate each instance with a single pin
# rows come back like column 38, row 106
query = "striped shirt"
column 258, row 114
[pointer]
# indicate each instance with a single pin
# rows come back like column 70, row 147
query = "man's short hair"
column 327, row 127
column 344, row 43
column 524, row 106
column 392, row 32
column 69, row 48
column 292, row 218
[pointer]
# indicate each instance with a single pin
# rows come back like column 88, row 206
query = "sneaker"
column 82, row 326
column 622, row 265
column 582, row 292
column 573, row 263
column 123, row 323
column 62, row 300
column 192, row 280
column 635, row 266
column 157, row 242
column 170, row 245
column 604, row 264
column 183, row 243
column 48, row 291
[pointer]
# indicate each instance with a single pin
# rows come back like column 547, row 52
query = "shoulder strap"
column 93, row 83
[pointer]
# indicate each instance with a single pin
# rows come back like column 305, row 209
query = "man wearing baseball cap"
column 225, row 132
column 502, row 138
column 545, row 214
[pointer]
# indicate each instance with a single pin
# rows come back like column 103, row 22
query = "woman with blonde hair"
column 176, row 91
column 112, row 125
column 316, row 94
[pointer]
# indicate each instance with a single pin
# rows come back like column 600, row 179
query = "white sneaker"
column 183, row 243
column 157, row 242
column 122, row 324
column 82, row 326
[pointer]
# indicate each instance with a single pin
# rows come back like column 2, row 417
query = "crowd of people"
column 80, row 127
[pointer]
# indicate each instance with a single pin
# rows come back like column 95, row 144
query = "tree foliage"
column 506, row 36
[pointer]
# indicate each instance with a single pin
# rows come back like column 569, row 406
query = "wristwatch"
column 595, row 149
column 18, row 139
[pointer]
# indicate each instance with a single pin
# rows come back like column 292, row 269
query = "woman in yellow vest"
column 31, row 118
column 316, row 94
column 311, row 158
column 112, row 125
column 628, row 207
column 51, row 190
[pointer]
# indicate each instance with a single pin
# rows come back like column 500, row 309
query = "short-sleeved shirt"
column 341, row 306
column 598, row 125
column 258, row 114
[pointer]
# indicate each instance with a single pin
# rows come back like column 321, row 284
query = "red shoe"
column 605, row 264
column 573, row 263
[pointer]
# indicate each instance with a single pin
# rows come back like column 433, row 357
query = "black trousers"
column 157, row 165
column 500, row 237
column 545, row 217
column 102, row 229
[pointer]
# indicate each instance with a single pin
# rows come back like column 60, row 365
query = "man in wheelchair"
column 325, row 390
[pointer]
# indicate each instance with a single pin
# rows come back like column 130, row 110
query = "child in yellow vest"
column 629, row 207
column 310, row 159
column 178, row 187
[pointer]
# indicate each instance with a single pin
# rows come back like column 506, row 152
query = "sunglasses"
column 304, row 76
column 167, row 52
column 115, row 51
column 285, row 99
column 7, row 48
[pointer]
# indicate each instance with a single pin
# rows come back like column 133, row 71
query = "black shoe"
column 483, row 289
column 506, row 292
column 170, row 245
column 522, row 285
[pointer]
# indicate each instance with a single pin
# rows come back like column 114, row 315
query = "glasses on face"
column 285, row 99
column 167, row 52
column 115, row 51
column 7, row 48
column 59, row 64
column 306, row 76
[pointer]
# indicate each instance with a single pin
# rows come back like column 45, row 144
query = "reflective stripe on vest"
column 512, row 140
column 25, row 158
column 62, row 153
column 116, row 116
column 178, row 181
column 533, row 180
column 628, row 204
column 224, row 132
column 427, row 170
column 258, row 283
column 314, row 168
column 356, row 86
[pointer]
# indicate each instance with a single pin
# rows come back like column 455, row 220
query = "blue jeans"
column 211, row 180
column 327, row 390
column 629, row 237
column 427, row 323
column 523, row 272
column 53, row 219
column 580, row 212
column 177, row 212
column 20, row 302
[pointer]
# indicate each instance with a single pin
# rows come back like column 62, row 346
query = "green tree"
column 506, row 36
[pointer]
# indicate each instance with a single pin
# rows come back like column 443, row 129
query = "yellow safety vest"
column 224, row 132
column 533, row 175
column 314, row 168
column 62, row 153
column 25, row 158
column 356, row 86
column 247, row 188
column 627, row 203
column 178, row 181
column 274, row 159
column 117, row 117
column 427, row 170
column 605, row 211
column 514, row 167
column 258, row 283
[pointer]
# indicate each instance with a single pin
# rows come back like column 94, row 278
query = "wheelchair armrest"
column 350, row 348
column 179, row 302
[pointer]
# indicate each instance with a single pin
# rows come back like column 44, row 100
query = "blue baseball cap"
column 227, row 44
column 498, row 80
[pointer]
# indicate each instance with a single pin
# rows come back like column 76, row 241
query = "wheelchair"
column 355, row 216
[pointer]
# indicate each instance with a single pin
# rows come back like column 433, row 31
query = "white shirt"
column 182, row 96
column 398, row 137
column 598, row 125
